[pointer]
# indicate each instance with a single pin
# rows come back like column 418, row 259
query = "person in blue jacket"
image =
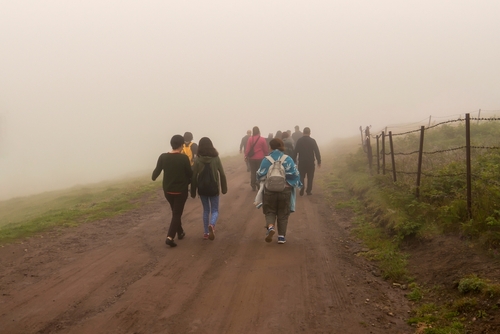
column 277, row 206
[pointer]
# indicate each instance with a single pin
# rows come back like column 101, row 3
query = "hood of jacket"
column 205, row 159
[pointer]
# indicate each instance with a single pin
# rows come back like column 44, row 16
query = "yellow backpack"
column 186, row 149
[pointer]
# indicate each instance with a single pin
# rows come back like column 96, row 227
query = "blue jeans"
column 210, row 210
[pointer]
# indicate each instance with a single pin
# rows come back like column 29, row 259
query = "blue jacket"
column 291, row 173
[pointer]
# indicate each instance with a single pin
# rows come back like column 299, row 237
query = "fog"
column 93, row 90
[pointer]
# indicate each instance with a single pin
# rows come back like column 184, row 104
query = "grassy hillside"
column 388, row 217
column 25, row 216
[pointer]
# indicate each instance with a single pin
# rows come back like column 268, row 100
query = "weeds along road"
column 118, row 276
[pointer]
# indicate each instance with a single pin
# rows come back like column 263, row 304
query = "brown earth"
column 118, row 276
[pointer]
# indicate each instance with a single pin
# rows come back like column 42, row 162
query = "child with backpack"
column 189, row 148
column 208, row 177
column 280, row 177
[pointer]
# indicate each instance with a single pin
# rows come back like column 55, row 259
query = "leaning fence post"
column 420, row 153
column 468, row 159
column 392, row 158
column 383, row 153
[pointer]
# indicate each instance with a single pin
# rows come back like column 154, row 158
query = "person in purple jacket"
column 255, row 151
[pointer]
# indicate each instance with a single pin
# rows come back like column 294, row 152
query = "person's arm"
column 296, row 150
column 188, row 169
column 242, row 144
column 262, row 171
column 158, row 169
column 247, row 148
column 194, row 178
column 194, row 149
column 316, row 152
column 292, row 173
column 222, row 175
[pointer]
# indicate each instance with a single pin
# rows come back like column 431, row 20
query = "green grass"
column 25, row 216
column 386, row 214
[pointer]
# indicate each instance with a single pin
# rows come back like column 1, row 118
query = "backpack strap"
column 270, row 158
column 282, row 159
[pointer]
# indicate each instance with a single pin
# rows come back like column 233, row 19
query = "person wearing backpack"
column 189, row 148
column 177, row 174
column 255, row 151
column 208, row 177
column 279, row 177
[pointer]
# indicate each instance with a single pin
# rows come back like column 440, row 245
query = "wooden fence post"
column 392, row 158
column 468, row 162
column 378, row 156
column 383, row 153
column 420, row 153
column 369, row 149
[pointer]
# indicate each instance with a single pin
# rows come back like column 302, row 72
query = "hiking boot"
column 269, row 234
column 302, row 191
column 211, row 232
column 281, row 239
column 205, row 236
column 181, row 235
column 170, row 242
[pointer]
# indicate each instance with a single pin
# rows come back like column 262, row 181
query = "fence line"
column 381, row 152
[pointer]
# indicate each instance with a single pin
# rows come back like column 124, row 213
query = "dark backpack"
column 207, row 185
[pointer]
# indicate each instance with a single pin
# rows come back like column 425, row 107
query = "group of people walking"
column 300, row 146
column 182, row 167
column 191, row 169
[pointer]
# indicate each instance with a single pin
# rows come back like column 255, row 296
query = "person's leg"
column 283, row 211
column 254, row 166
column 310, row 178
column 177, row 203
column 206, row 212
column 302, row 172
column 269, row 207
column 214, row 205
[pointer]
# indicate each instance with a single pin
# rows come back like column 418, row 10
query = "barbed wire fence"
column 417, row 164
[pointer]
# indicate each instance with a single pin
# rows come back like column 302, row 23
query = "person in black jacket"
column 177, row 175
column 306, row 153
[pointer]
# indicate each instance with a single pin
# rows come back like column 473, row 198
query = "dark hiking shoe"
column 170, row 242
column 281, row 239
column 269, row 234
column 302, row 191
column 181, row 236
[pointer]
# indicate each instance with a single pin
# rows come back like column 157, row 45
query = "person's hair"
column 206, row 148
column 297, row 127
column 188, row 136
column 285, row 135
column 249, row 132
column 307, row 131
column 277, row 144
column 176, row 141
column 278, row 134
column 255, row 131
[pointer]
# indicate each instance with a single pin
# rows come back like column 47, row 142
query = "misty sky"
column 91, row 90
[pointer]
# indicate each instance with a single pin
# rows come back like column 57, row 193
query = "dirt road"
column 118, row 276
